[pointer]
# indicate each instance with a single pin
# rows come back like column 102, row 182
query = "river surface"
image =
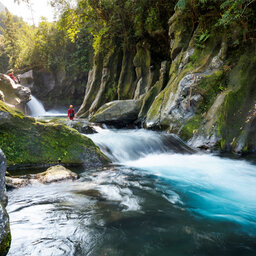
column 152, row 201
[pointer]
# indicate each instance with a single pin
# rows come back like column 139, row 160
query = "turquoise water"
column 151, row 201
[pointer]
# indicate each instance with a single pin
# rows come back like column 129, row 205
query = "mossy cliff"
column 202, row 90
column 27, row 141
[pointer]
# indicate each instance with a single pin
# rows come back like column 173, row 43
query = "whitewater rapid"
column 207, row 185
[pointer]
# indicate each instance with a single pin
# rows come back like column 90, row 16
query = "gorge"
column 163, row 140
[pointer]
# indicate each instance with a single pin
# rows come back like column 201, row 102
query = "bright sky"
column 40, row 8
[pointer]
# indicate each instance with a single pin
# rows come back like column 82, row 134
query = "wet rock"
column 13, row 182
column 92, row 193
column 5, row 235
column 117, row 112
column 55, row 174
column 216, row 63
column 14, row 94
column 82, row 126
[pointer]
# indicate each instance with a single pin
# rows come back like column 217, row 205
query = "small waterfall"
column 125, row 145
column 36, row 108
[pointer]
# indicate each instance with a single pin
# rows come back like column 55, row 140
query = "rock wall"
column 192, row 92
column 54, row 89
column 5, row 235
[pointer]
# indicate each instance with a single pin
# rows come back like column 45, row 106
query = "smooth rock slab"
column 117, row 112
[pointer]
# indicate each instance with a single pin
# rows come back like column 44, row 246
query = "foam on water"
column 123, row 145
column 212, row 186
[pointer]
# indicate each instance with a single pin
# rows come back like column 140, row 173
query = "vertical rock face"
column 5, row 235
column 54, row 89
column 190, row 90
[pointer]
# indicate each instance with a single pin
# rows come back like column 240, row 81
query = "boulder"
column 56, row 173
column 12, row 93
column 28, row 142
column 53, row 174
column 119, row 112
column 5, row 235
column 27, row 79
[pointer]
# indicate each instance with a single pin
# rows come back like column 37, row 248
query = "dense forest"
column 103, row 24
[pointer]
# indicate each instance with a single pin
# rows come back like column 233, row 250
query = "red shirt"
column 12, row 77
column 71, row 110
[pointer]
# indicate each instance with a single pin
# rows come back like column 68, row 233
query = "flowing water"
column 152, row 201
column 36, row 109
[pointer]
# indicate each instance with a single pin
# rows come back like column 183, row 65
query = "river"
column 153, row 200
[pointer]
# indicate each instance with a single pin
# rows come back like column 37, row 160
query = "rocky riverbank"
column 28, row 142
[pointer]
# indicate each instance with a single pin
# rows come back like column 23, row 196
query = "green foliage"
column 45, row 47
column 124, row 21
column 201, row 38
column 221, row 14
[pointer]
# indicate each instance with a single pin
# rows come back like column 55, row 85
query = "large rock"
column 120, row 112
column 27, row 79
column 5, row 235
column 12, row 93
column 27, row 142
column 56, row 173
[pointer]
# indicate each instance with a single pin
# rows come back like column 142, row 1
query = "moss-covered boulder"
column 5, row 235
column 27, row 141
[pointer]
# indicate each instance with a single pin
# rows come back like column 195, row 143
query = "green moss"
column 27, row 141
column 13, row 111
column 149, row 98
column 238, row 103
column 156, row 106
column 191, row 126
column 209, row 87
column 5, row 244
column 6, row 240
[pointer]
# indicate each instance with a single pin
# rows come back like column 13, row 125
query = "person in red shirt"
column 11, row 75
column 71, row 112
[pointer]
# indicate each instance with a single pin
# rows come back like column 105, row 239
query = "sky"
column 40, row 8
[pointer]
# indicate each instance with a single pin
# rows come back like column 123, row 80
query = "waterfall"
column 36, row 107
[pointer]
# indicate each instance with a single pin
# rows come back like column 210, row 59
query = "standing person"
column 71, row 112
column 11, row 75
